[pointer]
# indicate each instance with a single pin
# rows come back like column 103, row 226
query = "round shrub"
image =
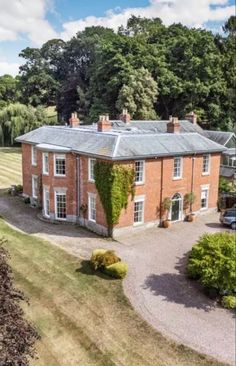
column 102, row 258
column 212, row 261
column 229, row 302
column 97, row 258
column 117, row 270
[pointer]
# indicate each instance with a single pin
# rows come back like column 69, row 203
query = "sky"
column 30, row 23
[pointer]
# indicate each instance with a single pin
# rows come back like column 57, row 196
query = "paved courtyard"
column 156, row 284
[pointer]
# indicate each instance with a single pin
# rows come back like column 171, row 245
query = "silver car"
column 228, row 217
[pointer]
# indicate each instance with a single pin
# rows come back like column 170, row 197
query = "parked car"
column 228, row 217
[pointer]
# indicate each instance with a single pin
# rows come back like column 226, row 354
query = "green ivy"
column 114, row 183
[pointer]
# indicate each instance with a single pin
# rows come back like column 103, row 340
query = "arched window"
column 177, row 196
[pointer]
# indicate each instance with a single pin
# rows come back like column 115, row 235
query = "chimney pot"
column 191, row 117
column 104, row 124
column 125, row 116
column 173, row 126
column 74, row 120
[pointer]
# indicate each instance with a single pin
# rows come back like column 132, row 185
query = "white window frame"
column 91, row 169
column 205, row 188
column 142, row 162
column 90, row 216
column 59, row 157
column 33, row 155
column 34, row 193
column 59, row 192
column 45, row 154
column 209, row 162
column 46, row 189
column 181, row 168
column 139, row 199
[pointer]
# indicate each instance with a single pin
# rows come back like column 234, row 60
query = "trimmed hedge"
column 117, row 270
column 108, row 262
column 102, row 258
column 229, row 302
column 212, row 261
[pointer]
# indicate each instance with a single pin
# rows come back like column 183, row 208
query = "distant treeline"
column 153, row 70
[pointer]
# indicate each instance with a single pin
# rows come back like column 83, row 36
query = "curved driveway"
column 156, row 284
column 158, row 289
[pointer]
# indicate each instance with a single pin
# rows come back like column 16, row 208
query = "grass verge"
column 84, row 318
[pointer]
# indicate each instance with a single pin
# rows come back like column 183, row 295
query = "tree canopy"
column 152, row 69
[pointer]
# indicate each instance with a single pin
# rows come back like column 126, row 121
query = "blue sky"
column 30, row 23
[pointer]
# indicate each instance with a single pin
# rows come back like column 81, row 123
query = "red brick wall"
column 49, row 180
column 151, row 188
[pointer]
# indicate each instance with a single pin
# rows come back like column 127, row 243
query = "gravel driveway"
column 156, row 284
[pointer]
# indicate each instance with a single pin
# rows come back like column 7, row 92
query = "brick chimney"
column 191, row 117
column 104, row 124
column 125, row 116
column 173, row 126
column 74, row 120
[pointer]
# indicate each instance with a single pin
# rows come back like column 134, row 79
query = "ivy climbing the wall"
column 114, row 183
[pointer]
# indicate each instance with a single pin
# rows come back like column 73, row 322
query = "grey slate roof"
column 230, row 152
column 226, row 171
column 219, row 137
column 120, row 145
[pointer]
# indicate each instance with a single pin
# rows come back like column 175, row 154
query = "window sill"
column 203, row 208
column 139, row 183
column 45, row 173
column 205, row 174
column 60, row 219
column 177, row 178
column 34, row 164
column 90, row 220
column 138, row 223
column 59, row 175
column 91, row 180
column 35, row 197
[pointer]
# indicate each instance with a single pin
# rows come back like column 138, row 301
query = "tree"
column 139, row 95
column 16, row 119
column 9, row 90
column 18, row 336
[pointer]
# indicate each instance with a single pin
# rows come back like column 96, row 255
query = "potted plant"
column 166, row 207
column 189, row 199
column 83, row 209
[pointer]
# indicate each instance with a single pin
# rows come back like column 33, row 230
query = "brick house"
column 170, row 158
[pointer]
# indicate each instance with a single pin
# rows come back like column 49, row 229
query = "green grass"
column 84, row 319
column 10, row 167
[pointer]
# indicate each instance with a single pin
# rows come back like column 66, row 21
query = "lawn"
column 10, row 167
column 83, row 318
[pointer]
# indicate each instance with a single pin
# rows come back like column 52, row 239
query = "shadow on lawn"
column 177, row 288
column 86, row 268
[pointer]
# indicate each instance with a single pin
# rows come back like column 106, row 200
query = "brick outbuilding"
column 170, row 159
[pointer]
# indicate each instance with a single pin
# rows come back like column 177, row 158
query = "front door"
column 175, row 210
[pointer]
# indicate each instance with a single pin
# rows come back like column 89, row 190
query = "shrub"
column 19, row 188
column 212, row 261
column 117, row 270
column 97, row 257
column 102, row 258
column 229, row 302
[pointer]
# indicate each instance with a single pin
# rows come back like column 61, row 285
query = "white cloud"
column 19, row 17
column 9, row 68
column 194, row 13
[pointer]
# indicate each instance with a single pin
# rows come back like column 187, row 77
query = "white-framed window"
column 178, row 167
column 204, row 197
column 34, row 186
column 138, row 210
column 60, row 205
column 92, row 207
column 232, row 162
column 46, row 201
column 206, row 164
column 59, row 165
column 33, row 155
column 139, row 171
column 91, row 164
column 45, row 163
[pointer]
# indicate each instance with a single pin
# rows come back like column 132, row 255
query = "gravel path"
column 156, row 284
